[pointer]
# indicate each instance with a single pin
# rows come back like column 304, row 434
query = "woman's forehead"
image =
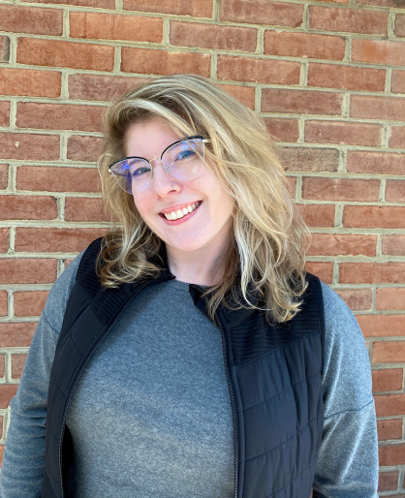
column 149, row 138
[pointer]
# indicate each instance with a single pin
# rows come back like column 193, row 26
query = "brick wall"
column 329, row 80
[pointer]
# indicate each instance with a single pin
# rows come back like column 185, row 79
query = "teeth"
column 175, row 215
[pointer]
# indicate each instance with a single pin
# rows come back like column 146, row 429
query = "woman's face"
column 209, row 225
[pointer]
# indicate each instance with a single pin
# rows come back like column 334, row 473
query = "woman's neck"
column 199, row 267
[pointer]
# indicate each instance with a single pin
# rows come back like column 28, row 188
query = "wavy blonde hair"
column 264, row 267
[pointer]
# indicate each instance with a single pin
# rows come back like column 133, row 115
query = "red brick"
column 398, row 82
column 301, row 101
column 100, row 4
column 55, row 239
column 382, row 325
column 395, row 191
column 146, row 61
column 397, row 137
column 356, row 299
column 7, row 393
column 304, row 45
column 283, row 130
column 4, row 239
column 261, row 12
column 4, row 113
column 381, row 108
column 30, row 303
column 258, row 70
column 379, row 163
column 81, row 148
column 322, row 270
column 3, row 303
column 3, row 176
column 57, row 179
column 2, row 374
column 1, row 454
column 30, row 82
column 101, row 88
column 400, row 25
column 391, row 455
column 388, row 481
column 4, row 49
column 194, row 8
column 27, row 271
column 336, row 1
column 391, row 298
column 16, row 334
column 325, row 244
column 378, row 52
column 57, row 53
column 85, row 209
column 187, row 34
column 342, row 133
column 379, row 3
column 22, row 207
column 17, row 365
column 96, row 26
column 372, row 273
column 346, row 77
column 37, row 21
column 389, row 429
column 245, row 94
column 30, row 146
column 389, row 352
column 388, row 405
column 393, row 245
column 316, row 215
column 309, row 159
column 340, row 189
column 348, row 20
column 60, row 116
column 374, row 217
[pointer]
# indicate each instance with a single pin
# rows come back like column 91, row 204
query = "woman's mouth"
column 181, row 213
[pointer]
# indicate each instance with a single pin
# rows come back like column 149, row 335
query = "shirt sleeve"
column 348, row 457
column 23, row 464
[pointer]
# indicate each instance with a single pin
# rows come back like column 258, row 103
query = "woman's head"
column 266, row 249
column 180, row 199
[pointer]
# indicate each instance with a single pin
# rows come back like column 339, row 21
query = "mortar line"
column 260, row 41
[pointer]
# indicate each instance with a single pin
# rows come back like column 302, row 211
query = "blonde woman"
column 187, row 353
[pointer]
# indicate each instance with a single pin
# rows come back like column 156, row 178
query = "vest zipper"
column 142, row 286
column 233, row 406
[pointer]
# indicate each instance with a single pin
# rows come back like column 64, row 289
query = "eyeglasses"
column 181, row 159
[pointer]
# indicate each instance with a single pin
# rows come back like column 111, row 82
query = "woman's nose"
column 162, row 181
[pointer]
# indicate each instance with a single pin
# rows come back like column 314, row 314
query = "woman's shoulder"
column 346, row 365
column 59, row 294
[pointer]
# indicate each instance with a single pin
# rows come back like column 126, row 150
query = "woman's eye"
column 140, row 171
column 185, row 154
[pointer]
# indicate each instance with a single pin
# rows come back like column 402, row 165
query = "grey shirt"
column 150, row 415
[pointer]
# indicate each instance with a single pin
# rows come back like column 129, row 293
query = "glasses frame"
column 204, row 141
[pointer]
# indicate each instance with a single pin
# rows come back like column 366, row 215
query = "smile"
column 180, row 213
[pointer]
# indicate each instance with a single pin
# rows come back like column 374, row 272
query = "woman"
column 187, row 354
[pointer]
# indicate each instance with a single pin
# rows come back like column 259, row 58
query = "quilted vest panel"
column 274, row 374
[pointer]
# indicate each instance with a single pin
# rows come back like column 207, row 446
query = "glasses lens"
column 184, row 159
column 132, row 175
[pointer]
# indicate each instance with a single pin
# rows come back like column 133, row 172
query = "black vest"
column 274, row 375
